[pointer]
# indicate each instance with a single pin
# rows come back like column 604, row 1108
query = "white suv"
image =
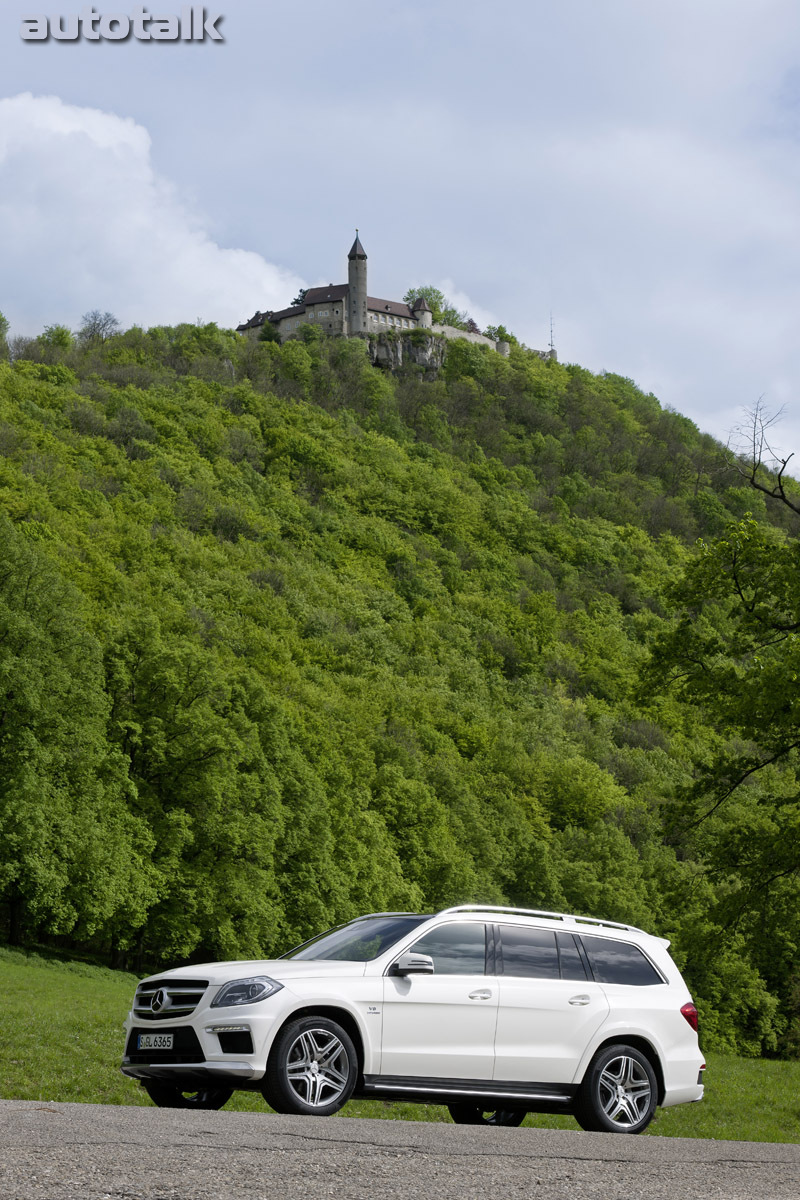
column 494, row 1012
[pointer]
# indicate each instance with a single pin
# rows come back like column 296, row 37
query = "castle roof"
column 421, row 305
column 334, row 291
column 357, row 250
column 395, row 307
column 295, row 311
column 253, row 323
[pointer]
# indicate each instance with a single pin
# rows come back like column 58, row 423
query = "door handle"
column 481, row 994
column 578, row 1000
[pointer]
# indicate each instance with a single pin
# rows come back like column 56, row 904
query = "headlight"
column 246, row 991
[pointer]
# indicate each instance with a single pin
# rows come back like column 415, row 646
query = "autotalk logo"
column 193, row 24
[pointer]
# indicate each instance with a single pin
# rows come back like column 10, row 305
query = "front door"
column 442, row 1026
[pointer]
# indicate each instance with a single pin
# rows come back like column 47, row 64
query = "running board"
column 442, row 1090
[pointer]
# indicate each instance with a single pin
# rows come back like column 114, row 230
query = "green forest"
column 286, row 638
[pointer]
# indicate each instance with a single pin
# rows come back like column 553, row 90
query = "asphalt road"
column 98, row 1152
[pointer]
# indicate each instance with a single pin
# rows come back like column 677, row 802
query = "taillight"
column 690, row 1013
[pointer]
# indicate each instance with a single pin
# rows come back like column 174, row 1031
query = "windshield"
column 360, row 941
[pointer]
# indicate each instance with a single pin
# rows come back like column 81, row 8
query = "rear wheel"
column 312, row 1069
column 171, row 1097
column 473, row 1114
column 619, row 1092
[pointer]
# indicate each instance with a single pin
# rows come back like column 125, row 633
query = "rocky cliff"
column 418, row 348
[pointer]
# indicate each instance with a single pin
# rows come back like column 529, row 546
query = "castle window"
column 384, row 320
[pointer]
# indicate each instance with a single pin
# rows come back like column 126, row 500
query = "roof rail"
column 540, row 912
column 367, row 916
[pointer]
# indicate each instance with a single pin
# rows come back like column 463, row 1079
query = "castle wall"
column 330, row 315
column 450, row 331
column 379, row 322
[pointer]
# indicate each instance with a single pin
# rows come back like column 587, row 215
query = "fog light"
column 227, row 1028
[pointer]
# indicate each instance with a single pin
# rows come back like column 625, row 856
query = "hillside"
column 284, row 638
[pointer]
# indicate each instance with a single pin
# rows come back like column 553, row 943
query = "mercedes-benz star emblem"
column 160, row 1000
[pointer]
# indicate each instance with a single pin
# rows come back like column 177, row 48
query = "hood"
column 280, row 969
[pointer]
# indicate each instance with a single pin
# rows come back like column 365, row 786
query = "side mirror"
column 412, row 964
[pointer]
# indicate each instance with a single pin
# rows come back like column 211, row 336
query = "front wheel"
column 312, row 1069
column 473, row 1114
column 171, row 1097
column 619, row 1092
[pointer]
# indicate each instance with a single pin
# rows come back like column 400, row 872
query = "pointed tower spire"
column 357, row 250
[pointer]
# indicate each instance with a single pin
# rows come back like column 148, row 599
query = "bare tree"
column 97, row 326
column 755, row 458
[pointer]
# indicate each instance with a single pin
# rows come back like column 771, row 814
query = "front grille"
column 176, row 998
column 185, row 1048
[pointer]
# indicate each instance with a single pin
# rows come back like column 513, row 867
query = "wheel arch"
column 333, row 1013
column 638, row 1043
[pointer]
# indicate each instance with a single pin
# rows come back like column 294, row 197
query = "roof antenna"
column 552, row 347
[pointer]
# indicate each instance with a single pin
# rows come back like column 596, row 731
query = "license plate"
column 154, row 1041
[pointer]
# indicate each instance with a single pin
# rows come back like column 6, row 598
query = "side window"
column 619, row 962
column 569, row 956
column 457, row 949
column 529, row 953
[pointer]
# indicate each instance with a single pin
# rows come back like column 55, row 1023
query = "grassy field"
column 61, row 1039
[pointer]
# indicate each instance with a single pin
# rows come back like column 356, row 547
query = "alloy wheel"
column 624, row 1091
column 317, row 1067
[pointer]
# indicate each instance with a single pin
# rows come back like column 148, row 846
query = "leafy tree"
column 72, row 857
column 434, row 297
column 269, row 332
column 499, row 333
column 300, row 298
column 734, row 653
column 57, row 337
column 444, row 312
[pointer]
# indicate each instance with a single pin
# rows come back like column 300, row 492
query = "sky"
column 630, row 168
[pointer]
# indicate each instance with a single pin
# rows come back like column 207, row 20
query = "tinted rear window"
column 619, row 962
column 530, row 953
column 571, row 962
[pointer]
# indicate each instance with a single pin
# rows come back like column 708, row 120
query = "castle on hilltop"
column 347, row 310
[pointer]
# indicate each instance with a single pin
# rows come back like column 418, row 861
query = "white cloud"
column 462, row 301
column 86, row 222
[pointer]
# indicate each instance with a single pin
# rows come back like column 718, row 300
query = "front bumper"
column 199, row 1072
column 195, row 1056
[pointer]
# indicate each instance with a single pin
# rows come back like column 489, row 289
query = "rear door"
column 548, row 1007
column 442, row 1026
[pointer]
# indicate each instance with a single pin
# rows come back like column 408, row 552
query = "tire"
column 619, row 1092
column 171, row 1097
column 473, row 1114
column 312, row 1068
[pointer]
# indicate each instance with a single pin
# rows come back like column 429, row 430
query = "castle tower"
column 421, row 310
column 357, row 279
